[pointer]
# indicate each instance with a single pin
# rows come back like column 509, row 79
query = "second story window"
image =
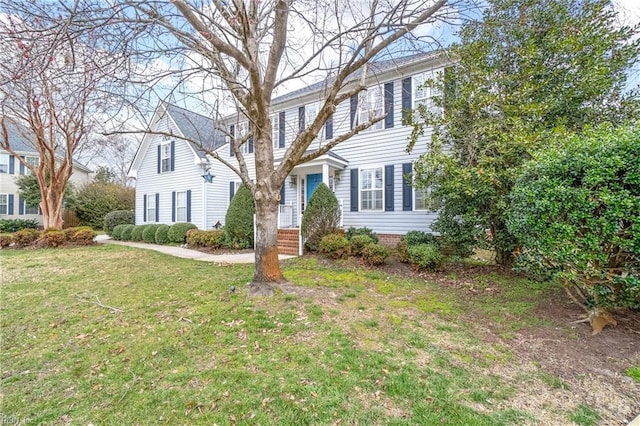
column 165, row 157
column 423, row 92
column 242, row 129
column 4, row 163
column 371, row 106
column 311, row 111
column 275, row 131
column 32, row 161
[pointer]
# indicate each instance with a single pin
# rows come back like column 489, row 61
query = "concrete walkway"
column 227, row 258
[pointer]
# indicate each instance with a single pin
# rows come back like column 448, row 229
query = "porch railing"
column 285, row 215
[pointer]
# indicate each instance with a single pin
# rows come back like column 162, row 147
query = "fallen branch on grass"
column 99, row 303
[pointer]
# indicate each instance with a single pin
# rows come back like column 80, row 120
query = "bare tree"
column 53, row 70
column 253, row 48
column 115, row 152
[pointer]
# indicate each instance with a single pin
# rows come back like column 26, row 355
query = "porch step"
column 288, row 241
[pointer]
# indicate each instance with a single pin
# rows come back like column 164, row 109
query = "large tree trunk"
column 266, row 247
column 51, row 207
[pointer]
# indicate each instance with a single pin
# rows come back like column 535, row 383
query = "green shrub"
column 162, row 234
column 425, row 256
column 402, row 251
column 374, row 254
column 136, row 232
column 116, row 232
column 238, row 226
column 351, row 232
column 359, row 242
column 321, row 217
column 178, row 232
column 83, row 237
column 51, row 238
column 126, row 232
column 576, row 212
column 5, row 240
column 212, row 239
column 13, row 225
column 25, row 237
column 149, row 233
column 335, row 246
column 94, row 200
column 118, row 217
column 413, row 238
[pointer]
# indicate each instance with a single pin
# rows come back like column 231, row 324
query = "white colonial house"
column 368, row 172
column 12, row 205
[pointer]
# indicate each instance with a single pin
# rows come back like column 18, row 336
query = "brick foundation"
column 288, row 241
column 389, row 240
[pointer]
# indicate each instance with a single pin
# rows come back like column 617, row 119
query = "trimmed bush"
column 425, row 256
column 178, row 232
column 374, row 254
column 126, row 232
column 238, row 226
column 211, row 239
column 13, row 225
column 25, row 237
column 5, row 240
column 116, row 233
column 335, row 246
column 359, row 242
column 352, row 232
column 83, row 237
column 149, row 233
column 94, row 200
column 321, row 217
column 70, row 232
column 51, row 238
column 402, row 251
column 136, row 232
column 118, row 217
column 413, row 238
column 162, row 234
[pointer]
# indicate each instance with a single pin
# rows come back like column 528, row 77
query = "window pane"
column 4, row 163
column 3, row 204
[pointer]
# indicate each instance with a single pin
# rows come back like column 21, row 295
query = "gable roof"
column 19, row 136
column 374, row 68
column 200, row 130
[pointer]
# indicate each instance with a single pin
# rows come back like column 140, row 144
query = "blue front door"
column 312, row 183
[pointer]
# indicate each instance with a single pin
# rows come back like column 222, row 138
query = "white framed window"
column 181, row 206
column 4, row 204
column 420, row 197
column 165, row 157
column 151, row 207
column 311, row 111
column 33, row 161
column 30, row 209
column 371, row 105
column 371, row 189
column 4, row 163
column 423, row 94
column 242, row 129
column 275, row 131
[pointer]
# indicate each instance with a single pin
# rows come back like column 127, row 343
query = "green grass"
column 380, row 350
column 634, row 373
column 584, row 415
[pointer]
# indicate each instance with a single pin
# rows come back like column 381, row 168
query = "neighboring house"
column 367, row 172
column 12, row 206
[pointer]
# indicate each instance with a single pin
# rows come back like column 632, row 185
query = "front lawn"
column 116, row 335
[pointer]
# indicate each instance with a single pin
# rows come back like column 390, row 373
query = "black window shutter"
column 157, row 207
column 159, row 157
column 301, row 119
column 144, row 208
column 328, row 126
column 388, row 105
column 232, row 190
column 10, row 208
column 12, row 165
column 173, row 206
column 22, row 166
column 354, row 190
column 354, row 109
column 388, row 188
column 407, row 192
column 282, row 194
column 250, row 141
column 188, row 205
column 406, row 99
column 173, row 155
column 20, row 205
column 281, row 132
column 232, row 135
